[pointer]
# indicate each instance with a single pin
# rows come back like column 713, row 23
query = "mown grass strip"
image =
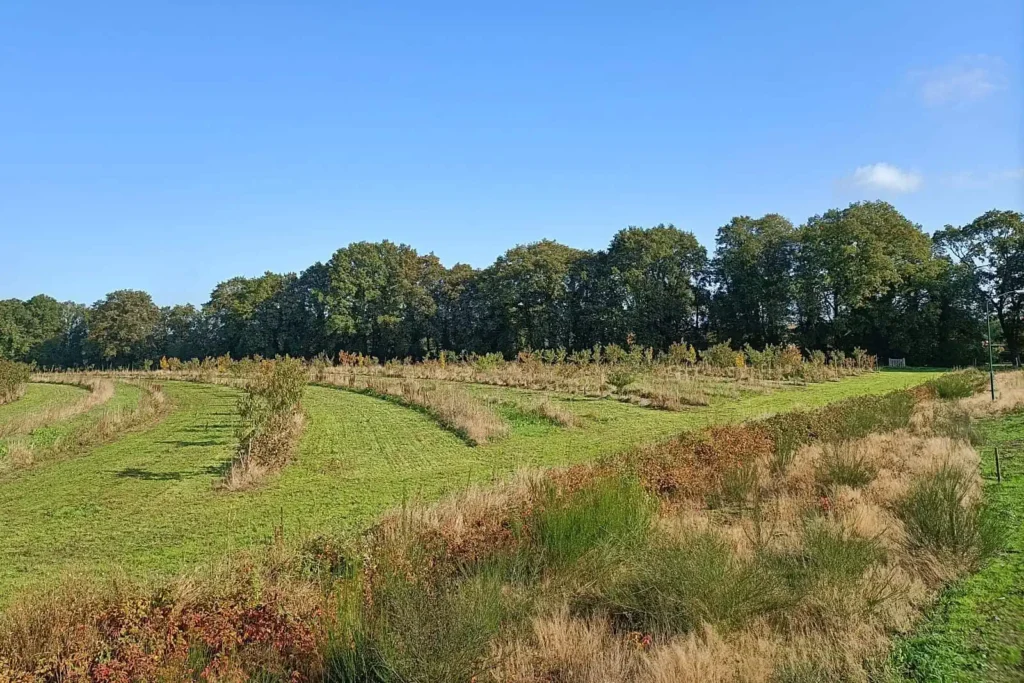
column 976, row 630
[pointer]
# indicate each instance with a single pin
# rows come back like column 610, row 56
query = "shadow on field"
column 146, row 475
column 184, row 443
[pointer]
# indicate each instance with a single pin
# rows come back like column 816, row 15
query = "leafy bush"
column 620, row 379
column 271, row 418
column 956, row 385
column 565, row 528
column 941, row 515
column 674, row 588
column 720, row 356
column 13, row 377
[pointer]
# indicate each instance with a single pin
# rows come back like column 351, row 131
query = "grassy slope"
column 147, row 502
column 40, row 396
column 976, row 631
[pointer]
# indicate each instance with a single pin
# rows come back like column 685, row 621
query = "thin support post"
column 999, row 471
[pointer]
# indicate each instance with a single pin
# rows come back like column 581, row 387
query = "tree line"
column 863, row 276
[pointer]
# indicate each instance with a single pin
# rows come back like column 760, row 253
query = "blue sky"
column 169, row 146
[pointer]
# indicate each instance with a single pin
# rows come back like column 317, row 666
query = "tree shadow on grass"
column 146, row 475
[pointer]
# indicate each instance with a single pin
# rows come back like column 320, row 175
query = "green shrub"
column 414, row 631
column 673, row 588
column 842, row 465
column 270, row 412
column 613, row 511
column 13, row 377
column 950, row 420
column 720, row 355
column 956, row 385
column 940, row 515
column 737, row 486
column 620, row 379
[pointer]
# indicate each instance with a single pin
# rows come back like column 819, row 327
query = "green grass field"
column 147, row 504
column 43, row 396
column 976, row 631
column 38, row 397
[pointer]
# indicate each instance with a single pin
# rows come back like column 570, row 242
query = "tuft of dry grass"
column 1009, row 396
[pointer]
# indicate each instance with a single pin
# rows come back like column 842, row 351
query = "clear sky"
column 167, row 146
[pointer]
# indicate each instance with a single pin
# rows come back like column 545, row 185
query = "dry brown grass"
column 452, row 406
column 835, row 630
column 247, row 472
column 1009, row 396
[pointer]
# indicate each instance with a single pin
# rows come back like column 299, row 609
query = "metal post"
column 991, row 369
column 999, row 471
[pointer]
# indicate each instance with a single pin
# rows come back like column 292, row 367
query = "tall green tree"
column 753, row 272
column 528, row 296
column 246, row 315
column 380, row 300
column 851, row 262
column 122, row 327
column 658, row 276
column 992, row 246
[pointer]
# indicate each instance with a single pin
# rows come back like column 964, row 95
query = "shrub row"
column 270, row 409
column 13, row 377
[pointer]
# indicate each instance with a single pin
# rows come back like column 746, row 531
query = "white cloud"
column 966, row 79
column 883, row 176
column 974, row 180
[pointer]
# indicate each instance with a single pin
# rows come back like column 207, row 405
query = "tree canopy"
column 862, row 276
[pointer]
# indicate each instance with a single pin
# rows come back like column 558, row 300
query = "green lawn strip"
column 976, row 630
column 126, row 396
column 147, row 503
column 41, row 396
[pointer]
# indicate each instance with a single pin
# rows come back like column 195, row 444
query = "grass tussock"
column 452, row 406
column 271, row 421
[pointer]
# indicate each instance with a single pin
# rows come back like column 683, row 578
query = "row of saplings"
column 785, row 549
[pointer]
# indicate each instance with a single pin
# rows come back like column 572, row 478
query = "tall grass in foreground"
column 13, row 378
column 271, row 422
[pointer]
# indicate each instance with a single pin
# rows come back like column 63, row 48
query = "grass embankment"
column 147, row 503
column 976, row 631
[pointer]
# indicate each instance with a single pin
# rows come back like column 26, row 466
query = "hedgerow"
column 13, row 378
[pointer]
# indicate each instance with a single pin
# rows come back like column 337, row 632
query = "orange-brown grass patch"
column 691, row 466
